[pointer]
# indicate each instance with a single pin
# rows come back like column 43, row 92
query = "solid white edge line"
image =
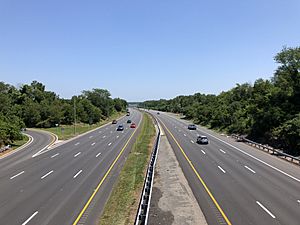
column 203, row 152
column 77, row 154
column 265, row 209
column 55, row 155
column 259, row 160
column 17, row 175
column 221, row 169
column 221, row 150
column 47, row 174
column 30, row 218
column 248, row 168
column 98, row 154
column 79, row 172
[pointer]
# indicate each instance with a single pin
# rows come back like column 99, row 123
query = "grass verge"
column 122, row 205
column 65, row 132
column 16, row 144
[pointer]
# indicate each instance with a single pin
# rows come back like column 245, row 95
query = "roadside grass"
column 65, row 132
column 123, row 203
column 15, row 145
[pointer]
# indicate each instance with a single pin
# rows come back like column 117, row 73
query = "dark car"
column 120, row 128
column 158, row 113
column 128, row 121
column 202, row 140
column 114, row 122
column 192, row 127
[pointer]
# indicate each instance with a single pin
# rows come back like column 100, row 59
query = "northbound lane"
column 235, row 183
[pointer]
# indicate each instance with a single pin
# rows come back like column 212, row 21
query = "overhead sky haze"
column 142, row 49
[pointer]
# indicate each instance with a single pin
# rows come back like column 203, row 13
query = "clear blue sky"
column 143, row 49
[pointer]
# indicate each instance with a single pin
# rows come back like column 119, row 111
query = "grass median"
column 65, row 132
column 122, row 205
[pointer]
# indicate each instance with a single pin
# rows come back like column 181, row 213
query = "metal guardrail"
column 267, row 148
column 144, row 206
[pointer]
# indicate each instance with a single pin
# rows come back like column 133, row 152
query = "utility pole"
column 74, row 115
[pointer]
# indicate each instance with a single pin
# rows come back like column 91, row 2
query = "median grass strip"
column 122, row 205
column 65, row 132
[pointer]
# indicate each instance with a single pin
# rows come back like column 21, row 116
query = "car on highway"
column 158, row 113
column 120, row 128
column 202, row 140
column 192, row 127
column 128, row 114
column 114, row 122
column 128, row 121
column 133, row 125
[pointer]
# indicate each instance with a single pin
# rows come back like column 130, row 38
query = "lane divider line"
column 46, row 175
column 30, row 218
column 221, row 169
column 221, row 150
column 199, row 177
column 265, row 209
column 79, row 172
column 77, row 154
column 248, row 168
column 103, row 179
column 17, row 175
column 55, row 155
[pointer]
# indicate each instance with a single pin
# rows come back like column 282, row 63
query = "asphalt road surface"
column 233, row 182
column 54, row 187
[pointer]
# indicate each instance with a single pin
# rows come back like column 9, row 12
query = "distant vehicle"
column 120, row 128
column 158, row 113
column 128, row 114
column 192, row 127
column 133, row 125
column 128, row 121
column 114, row 122
column 202, row 140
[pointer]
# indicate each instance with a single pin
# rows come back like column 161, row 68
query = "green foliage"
column 33, row 106
column 267, row 111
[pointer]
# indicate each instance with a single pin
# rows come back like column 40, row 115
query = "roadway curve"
column 54, row 187
column 240, row 184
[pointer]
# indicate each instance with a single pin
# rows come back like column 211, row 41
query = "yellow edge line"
column 199, row 177
column 99, row 185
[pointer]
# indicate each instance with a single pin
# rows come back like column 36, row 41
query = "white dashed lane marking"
column 221, row 169
column 77, row 143
column 265, row 209
column 93, row 143
column 30, row 218
column 221, row 150
column 79, row 172
column 98, row 154
column 55, row 155
column 248, row 168
column 47, row 174
column 17, row 175
column 77, row 154
column 203, row 152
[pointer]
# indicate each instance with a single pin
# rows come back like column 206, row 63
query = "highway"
column 68, row 184
column 233, row 182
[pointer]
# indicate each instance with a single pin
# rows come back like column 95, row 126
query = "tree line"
column 267, row 111
column 33, row 106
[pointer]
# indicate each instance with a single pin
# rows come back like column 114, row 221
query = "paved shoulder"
column 172, row 201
